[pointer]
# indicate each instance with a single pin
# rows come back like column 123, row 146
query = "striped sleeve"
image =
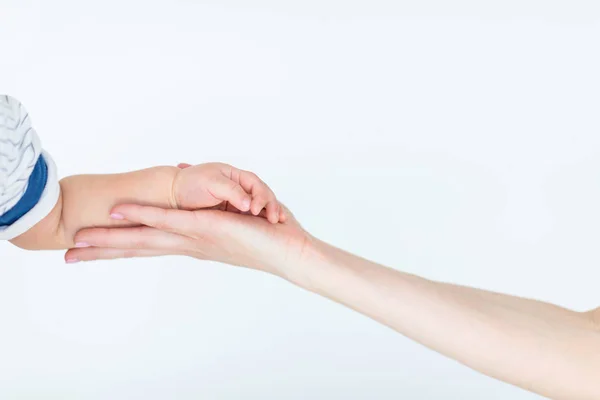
column 29, row 186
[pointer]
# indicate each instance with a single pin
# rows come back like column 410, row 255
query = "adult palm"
column 216, row 235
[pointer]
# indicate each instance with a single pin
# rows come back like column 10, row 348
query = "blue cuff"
column 35, row 188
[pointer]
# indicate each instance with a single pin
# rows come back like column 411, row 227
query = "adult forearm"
column 540, row 347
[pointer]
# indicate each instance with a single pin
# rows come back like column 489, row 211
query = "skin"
column 86, row 200
column 537, row 346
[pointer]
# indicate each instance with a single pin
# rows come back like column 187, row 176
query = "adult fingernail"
column 82, row 244
column 117, row 216
column 72, row 260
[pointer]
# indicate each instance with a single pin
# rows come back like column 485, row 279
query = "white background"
column 458, row 142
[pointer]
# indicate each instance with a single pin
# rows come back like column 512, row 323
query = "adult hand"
column 502, row 336
column 216, row 235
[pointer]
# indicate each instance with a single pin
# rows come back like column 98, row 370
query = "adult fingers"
column 99, row 253
column 142, row 237
column 187, row 223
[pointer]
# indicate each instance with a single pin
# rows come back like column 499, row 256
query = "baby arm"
column 86, row 200
column 39, row 213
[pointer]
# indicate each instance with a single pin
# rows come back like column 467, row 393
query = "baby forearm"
column 86, row 201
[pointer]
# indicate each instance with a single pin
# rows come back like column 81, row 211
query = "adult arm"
column 537, row 346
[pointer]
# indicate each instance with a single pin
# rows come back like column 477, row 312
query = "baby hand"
column 217, row 185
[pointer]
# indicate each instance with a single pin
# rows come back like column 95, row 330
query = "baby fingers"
column 227, row 190
column 262, row 196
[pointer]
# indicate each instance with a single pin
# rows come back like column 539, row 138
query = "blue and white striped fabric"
column 29, row 186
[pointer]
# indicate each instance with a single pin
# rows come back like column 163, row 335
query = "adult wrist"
column 303, row 270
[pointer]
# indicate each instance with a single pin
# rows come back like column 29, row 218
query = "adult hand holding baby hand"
column 473, row 326
column 223, row 233
column 231, row 238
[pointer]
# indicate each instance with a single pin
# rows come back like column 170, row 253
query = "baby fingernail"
column 246, row 204
column 117, row 216
column 81, row 244
column 72, row 260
